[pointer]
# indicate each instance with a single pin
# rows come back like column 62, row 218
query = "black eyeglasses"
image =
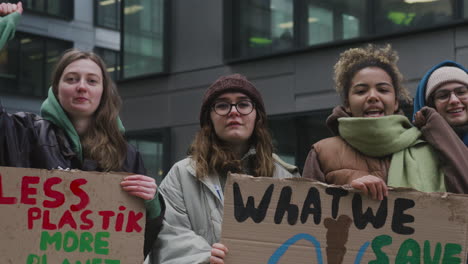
column 443, row 96
column 244, row 107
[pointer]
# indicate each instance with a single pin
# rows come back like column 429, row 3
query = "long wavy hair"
column 102, row 142
column 212, row 155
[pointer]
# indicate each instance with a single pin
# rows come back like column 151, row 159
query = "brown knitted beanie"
column 229, row 83
column 445, row 75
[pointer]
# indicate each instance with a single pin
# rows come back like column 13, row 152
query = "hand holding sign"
column 218, row 252
column 140, row 186
column 371, row 185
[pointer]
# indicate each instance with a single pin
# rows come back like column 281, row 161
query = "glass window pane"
column 143, row 34
column 9, row 63
column 31, row 74
column 265, row 27
column 53, row 53
column 108, row 13
column 26, row 64
column 151, row 148
column 56, row 8
column 36, row 5
column 112, row 60
column 329, row 21
column 465, row 9
column 401, row 15
column 305, row 130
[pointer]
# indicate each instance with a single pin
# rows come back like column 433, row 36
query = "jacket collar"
column 211, row 182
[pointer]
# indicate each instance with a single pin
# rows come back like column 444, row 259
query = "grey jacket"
column 194, row 214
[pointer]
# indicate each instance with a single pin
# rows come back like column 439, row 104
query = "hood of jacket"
column 52, row 111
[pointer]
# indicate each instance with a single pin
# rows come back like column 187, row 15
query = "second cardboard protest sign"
column 68, row 217
column 299, row 221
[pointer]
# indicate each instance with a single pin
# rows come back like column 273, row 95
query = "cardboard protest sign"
column 299, row 221
column 68, row 217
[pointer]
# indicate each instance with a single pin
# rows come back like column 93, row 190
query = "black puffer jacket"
column 29, row 141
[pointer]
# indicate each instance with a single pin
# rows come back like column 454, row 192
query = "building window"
column 396, row 15
column 142, row 37
column 329, row 21
column 264, row 27
column 107, row 13
column 256, row 28
column 112, row 60
column 26, row 64
column 465, row 9
column 153, row 147
column 57, row 8
column 305, row 129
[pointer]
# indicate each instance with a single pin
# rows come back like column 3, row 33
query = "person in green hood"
column 79, row 128
column 375, row 144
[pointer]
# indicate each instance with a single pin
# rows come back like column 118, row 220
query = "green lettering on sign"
column 47, row 239
column 403, row 257
column 377, row 244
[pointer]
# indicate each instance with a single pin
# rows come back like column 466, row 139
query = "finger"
column 143, row 184
column 220, row 246
column 372, row 190
column 142, row 195
column 380, row 190
column 217, row 253
column 215, row 260
column 360, row 186
column 139, row 177
column 139, row 189
column 19, row 7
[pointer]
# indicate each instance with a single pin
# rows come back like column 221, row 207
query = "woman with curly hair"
column 233, row 138
column 375, row 144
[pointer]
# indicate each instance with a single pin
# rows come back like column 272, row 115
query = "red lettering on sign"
column 59, row 198
column 26, row 191
column 3, row 199
column 84, row 198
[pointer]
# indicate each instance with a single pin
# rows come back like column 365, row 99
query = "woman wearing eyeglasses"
column 233, row 138
column 441, row 112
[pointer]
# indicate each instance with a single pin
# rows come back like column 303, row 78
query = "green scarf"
column 414, row 163
column 52, row 111
column 8, row 27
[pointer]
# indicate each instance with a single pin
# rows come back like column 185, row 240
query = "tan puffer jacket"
column 341, row 164
column 334, row 161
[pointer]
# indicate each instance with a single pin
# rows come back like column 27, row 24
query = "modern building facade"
column 287, row 48
column 172, row 50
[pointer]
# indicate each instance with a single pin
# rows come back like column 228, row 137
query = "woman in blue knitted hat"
column 441, row 112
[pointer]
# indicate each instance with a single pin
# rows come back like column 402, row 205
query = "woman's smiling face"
column 371, row 94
